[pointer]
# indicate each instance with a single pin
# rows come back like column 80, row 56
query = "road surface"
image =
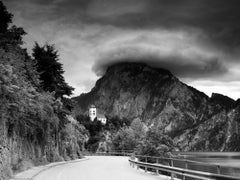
column 98, row 168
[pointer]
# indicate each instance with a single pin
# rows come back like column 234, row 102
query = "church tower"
column 92, row 112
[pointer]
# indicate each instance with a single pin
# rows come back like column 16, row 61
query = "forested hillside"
column 35, row 122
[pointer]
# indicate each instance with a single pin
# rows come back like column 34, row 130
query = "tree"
column 128, row 137
column 9, row 36
column 156, row 143
column 124, row 139
column 139, row 129
column 5, row 18
column 51, row 70
column 15, row 34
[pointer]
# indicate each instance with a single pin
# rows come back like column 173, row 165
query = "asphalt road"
column 98, row 168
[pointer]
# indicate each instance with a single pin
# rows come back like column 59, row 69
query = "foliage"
column 156, row 143
column 139, row 129
column 9, row 35
column 5, row 18
column 51, row 70
column 34, row 116
column 73, row 137
column 34, row 123
column 68, row 104
column 12, row 37
column 128, row 138
column 115, row 123
column 23, row 105
column 124, row 139
column 233, row 144
column 94, row 128
column 144, row 141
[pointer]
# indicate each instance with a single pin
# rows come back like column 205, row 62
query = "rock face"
column 191, row 118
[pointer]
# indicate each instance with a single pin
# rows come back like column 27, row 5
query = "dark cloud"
column 179, row 66
column 219, row 19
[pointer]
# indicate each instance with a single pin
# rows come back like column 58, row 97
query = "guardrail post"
column 157, row 161
column 171, row 164
column 218, row 169
column 186, row 167
column 186, row 164
column 146, row 162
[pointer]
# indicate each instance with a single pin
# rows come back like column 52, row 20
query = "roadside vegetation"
column 122, row 135
column 35, row 122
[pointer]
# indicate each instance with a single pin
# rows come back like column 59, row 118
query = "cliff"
column 192, row 119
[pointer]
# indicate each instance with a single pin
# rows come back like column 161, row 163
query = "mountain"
column 222, row 100
column 158, row 98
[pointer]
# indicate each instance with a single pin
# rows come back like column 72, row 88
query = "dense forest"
column 35, row 123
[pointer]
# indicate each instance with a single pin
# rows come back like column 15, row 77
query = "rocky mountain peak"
column 159, row 99
column 134, row 77
column 137, row 90
column 222, row 100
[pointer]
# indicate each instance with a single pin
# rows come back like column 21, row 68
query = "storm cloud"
column 217, row 18
column 197, row 40
column 211, row 68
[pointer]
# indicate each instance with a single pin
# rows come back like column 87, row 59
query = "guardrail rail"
column 167, row 165
column 173, row 171
column 110, row 153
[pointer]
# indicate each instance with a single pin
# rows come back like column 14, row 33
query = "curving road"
column 98, row 168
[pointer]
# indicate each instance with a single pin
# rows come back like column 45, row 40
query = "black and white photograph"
column 119, row 89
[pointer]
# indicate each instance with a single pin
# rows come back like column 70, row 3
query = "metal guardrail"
column 114, row 153
column 170, row 168
column 111, row 153
column 184, row 172
column 218, row 168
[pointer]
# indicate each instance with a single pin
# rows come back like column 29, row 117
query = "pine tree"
column 51, row 70
column 9, row 36
column 5, row 18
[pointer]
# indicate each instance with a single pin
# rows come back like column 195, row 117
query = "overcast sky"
column 197, row 40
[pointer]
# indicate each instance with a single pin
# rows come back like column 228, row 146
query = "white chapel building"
column 93, row 113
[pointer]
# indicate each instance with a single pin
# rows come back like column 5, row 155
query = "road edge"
column 44, row 168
